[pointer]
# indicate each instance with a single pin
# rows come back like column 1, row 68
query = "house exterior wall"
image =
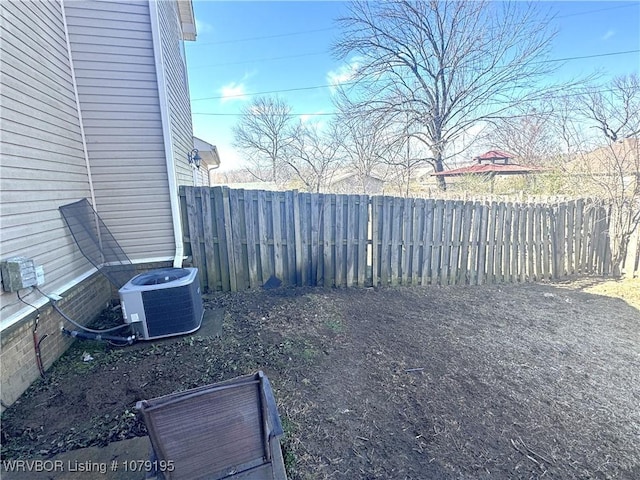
column 113, row 56
column 177, row 91
column 17, row 353
column 43, row 163
column 43, row 166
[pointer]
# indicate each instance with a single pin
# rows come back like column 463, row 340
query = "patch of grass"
column 336, row 326
column 628, row 289
column 289, row 457
column 308, row 354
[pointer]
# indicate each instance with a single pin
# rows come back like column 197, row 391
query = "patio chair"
column 224, row 430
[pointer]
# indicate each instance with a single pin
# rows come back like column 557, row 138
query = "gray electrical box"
column 18, row 273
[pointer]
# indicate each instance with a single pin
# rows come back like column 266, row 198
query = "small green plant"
column 336, row 326
column 287, row 443
column 309, row 354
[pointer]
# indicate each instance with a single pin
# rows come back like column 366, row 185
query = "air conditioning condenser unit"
column 163, row 303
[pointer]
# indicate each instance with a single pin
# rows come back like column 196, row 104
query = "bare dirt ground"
column 500, row 382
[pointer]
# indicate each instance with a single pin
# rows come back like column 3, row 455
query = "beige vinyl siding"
column 113, row 56
column 177, row 89
column 43, row 164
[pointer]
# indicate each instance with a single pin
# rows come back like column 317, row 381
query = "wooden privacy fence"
column 631, row 264
column 241, row 238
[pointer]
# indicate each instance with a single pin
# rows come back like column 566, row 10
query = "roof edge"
column 187, row 20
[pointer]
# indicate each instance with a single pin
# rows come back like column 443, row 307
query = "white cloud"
column 608, row 35
column 345, row 73
column 312, row 117
column 233, row 91
column 236, row 90
column 203, row 27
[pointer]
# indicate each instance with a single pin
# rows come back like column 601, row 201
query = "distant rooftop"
column 494, row 162
column 493, row 155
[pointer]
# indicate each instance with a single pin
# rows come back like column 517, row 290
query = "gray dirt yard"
column 459, row 382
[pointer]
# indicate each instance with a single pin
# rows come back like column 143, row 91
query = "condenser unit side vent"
column 163, row 303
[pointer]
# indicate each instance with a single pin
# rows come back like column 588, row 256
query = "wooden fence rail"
column 241, row 238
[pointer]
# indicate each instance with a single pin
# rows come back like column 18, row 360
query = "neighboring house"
column 347, row 181
column 95, row 104
column 621, row 158
column 210, row 159
column 269, row 186
column 492, row 164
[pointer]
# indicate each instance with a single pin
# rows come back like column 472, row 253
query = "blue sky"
column 251, row 47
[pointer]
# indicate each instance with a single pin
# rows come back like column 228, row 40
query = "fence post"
column 417, row 239
column 195, row 234
column 363, row 243
column 339, row 242
column 252, row 238
column 427, row 242
column 436, row 255
column 276, row 215
column 212, row 265
column 228, row 230
column 375, row 240
column 317, row 207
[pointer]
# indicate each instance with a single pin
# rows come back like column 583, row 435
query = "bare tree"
column 445, row 65
column 263, row 134
column 614, row 111
column 313, row 155
column 366, row 138
column 529, row 135
column 614, row 169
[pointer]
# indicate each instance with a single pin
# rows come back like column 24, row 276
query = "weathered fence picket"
column 240, row 238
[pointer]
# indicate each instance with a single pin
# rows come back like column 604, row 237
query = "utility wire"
column 264, row 59
column 629, row 4
column 315, row 54
column 319, row 114
column 268, row 59
column 264, row 37
column 351, row 83
column 268, row 92
column 285, row 57
column 326, row 29
column 610, row 54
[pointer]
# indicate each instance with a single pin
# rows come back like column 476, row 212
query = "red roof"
column 498, row 169
column 491, row 154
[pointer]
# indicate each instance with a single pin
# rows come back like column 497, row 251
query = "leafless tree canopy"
column 601, row 129
column 530, row 136
column 262, row 134
column 614, row 111
column 367, row 139
column 313, row 155
column 444, row 66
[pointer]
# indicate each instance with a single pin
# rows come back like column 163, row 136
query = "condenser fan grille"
column 169, row 311
column 160, row 276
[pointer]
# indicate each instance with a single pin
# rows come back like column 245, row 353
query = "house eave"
column 187, row 20
column 208, row 153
